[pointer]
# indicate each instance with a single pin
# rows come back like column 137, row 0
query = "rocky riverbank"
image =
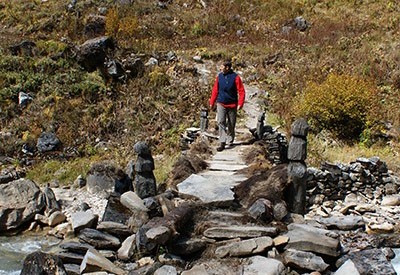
column 176, row 233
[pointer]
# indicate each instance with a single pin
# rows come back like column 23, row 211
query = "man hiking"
column 228, row 93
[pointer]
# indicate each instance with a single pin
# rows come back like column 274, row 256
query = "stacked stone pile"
column 276, row 142
column 370, row 177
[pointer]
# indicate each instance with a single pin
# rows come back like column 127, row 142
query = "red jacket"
column 240, row 90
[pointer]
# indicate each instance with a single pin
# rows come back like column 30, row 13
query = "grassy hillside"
column 350, row 50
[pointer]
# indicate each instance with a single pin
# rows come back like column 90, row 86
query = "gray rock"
column 144, row 164
column 92, row 54
column 159, row 234
column 20, row 201
column 127, row 249
column 343, row 223
column 369, row 261
column 145, row 184
column 24, row 99
column 297, row 149
column 105, row 177
column 245, row 247
column 51, row 201
column 258, row 265
column 114, row 69
column 261, row 210
column 301, row 24
column 170, row 259
column 166, row 270
column 115, row 228
column 233, row 232
column 94, row 261
column 347, row 268
column 300, row 128
column 81, row 220
column 98, row 239
column 142, row 149
column 133, row 202
column 75, row 247
column 308, row 238
column 57, row 218
column 48, row 142
column 304, row 260
column 42, row 263
column 115, row 211
column 72, row 269
column 392, row 200
column 280, row 211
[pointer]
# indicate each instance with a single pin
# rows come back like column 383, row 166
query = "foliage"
column 341, row 104
column 82, row 108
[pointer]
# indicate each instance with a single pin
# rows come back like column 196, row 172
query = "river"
column 14, row 249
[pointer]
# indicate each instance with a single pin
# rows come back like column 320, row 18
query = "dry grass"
column 357, row 38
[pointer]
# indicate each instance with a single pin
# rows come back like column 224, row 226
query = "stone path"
column 215, row 184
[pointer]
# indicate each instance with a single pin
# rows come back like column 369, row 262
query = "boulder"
column 94, row 262
column 257, row 265
column 42, row 263
column 347, row 268
column 127, row 249
column 304, row 260
column 245, row 247
column 117, row 229
column 99, row 239
column 93, row 52
column 83, row 219
column 369, row 261
column 308, row 238
column 47, row 142
column 105, row 177
column 20, row 201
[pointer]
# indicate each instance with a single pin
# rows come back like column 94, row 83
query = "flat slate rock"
column 308, row 238
column 209, row 189
column 233, row 232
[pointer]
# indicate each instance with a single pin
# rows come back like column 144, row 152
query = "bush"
column 341, row 104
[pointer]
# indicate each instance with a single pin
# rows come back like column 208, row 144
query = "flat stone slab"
column 209, row 189
column 343, row 223
column 225, row 166
column 245, row 247
column 308, row 238
column 233, row 232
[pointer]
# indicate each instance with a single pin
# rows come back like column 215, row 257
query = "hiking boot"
column 230, row 145
column 221, row 147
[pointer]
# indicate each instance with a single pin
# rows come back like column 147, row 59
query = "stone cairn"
column 276, row 141
column 297, row 169
column 369, row 177
column 203, row 120
column 144, row 180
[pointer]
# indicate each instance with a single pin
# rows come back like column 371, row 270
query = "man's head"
column 226, row 66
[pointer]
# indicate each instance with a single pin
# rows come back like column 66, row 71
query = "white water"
column 396, row 260
column 14, row 249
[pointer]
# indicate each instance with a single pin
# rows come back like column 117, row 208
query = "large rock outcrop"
column 20, row 201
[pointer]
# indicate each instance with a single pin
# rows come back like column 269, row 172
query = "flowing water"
column 14, row 249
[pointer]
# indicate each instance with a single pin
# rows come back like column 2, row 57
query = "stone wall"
column 369, row 177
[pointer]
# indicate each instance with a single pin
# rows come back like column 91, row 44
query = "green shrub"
column 341, row 104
